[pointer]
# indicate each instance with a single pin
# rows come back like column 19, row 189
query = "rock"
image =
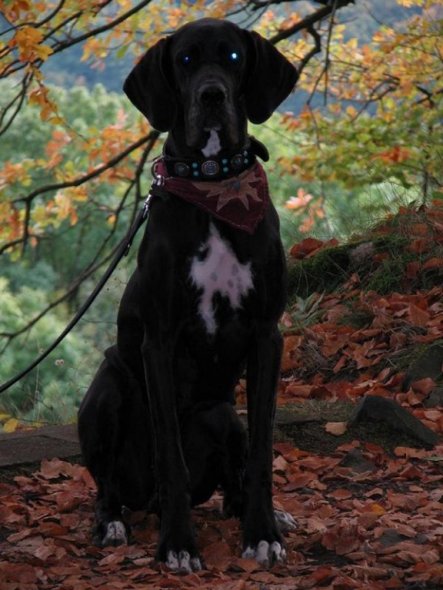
column 435, row 398
column 428, row 364
column 388, row 411
column 390, row 537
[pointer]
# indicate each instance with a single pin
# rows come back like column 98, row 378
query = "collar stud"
column 210, row 168
column 181, row 169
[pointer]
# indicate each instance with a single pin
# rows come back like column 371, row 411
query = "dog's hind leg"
column 116, row 449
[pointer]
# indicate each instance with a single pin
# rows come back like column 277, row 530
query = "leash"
column 208, row 169
column 123, row 250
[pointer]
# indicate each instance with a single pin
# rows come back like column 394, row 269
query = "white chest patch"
column 219, row 272
column 213, row 146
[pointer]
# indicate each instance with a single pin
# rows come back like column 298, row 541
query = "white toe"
column 184, row 559
column 115, row 534
column 285, row 521
column 183, row 562
column 248, row 553
column 196, row 564
column 172, row 560
column 266, row 554
column 263, row 554
column 277, row 552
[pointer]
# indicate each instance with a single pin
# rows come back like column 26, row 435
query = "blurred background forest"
column 359, row 138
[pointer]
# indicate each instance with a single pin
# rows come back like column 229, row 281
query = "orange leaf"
column 336, row 428
column 299, row 390
column 341, row 494
column 419, row 317
column 433, row 415
column 423, row 386
column 377, row 509
column 433, row 263
column 305, row 247
column 290, row 346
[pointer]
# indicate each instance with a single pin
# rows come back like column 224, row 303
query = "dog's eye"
column 234, row 56
column 186, row 59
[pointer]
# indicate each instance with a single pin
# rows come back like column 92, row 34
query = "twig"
column 309, row 20
column 328, row 47
column 82, row 179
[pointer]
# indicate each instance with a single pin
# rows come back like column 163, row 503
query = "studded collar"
column 213, row 168
column 226, row 165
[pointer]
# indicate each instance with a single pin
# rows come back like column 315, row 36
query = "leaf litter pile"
column 368, row 518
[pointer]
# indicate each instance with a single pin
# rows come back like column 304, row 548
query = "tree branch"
column 59, row 46
column 82, row 179
column 151, row 137
column 93, row 32
column 310, row 20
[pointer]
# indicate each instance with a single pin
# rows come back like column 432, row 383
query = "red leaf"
column 305, row 247
column 433, row 263
column 423, row 386
column 419, row 317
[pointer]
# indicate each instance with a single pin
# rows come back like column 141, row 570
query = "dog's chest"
column 216, row 270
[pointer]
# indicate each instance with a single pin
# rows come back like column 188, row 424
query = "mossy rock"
column 331, row 267
column 324, row 271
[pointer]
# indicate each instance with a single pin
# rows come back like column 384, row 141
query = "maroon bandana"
column 240, row 201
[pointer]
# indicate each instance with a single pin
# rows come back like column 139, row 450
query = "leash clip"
column 159, row 179
column 142, row 216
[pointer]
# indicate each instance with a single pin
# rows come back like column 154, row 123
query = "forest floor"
column 363, row 481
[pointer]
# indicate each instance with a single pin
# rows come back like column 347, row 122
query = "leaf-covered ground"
column 368, row 518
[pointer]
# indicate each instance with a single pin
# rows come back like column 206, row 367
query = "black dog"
column 157, row 427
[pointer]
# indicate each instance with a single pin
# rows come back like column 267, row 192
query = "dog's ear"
column 148, row 88
column 270, row 78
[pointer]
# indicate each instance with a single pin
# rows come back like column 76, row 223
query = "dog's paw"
column 115, row 534
column 266, row 554
column 183, row 562
column 285, row 521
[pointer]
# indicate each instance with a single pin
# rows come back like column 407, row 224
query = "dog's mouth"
column 211, row 114
column 204, row 126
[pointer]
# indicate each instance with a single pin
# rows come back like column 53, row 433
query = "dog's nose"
column 212, row 95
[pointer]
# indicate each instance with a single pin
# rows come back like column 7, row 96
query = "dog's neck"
column 214, row 143
column 216, row 158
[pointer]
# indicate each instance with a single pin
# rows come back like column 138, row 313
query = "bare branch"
column 151, row 138
column 96, row 172
column 310, row 20
column 135, row 181
column 93, row 32
column 316, row 49
column 20, row 97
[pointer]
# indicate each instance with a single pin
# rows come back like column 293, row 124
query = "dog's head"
column 210, row 75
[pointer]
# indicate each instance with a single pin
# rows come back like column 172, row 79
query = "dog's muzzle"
column 210, row 108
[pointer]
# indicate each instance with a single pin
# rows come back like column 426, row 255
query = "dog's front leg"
column 261, row 536
column 176, row 546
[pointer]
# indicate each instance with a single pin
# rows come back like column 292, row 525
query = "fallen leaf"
column 336, row 428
